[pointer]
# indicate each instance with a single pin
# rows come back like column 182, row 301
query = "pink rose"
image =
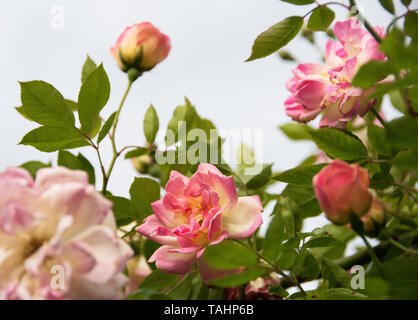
column 197, row 212
column 58, row 238
column 141, row 46
column 342, row 189
column 316, row 88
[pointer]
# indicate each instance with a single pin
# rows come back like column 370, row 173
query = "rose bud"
column 142, row 163
column 373, row 219
column 341, row 190
column 140, row 47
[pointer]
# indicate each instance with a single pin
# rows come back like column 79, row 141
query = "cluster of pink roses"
column 316, row 88
column 58, row 235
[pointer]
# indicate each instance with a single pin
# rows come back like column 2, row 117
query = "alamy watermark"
column 57, row 21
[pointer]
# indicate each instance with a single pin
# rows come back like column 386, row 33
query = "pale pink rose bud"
column 259, row 288
column 141, row 46
column 142, row 163
column 342, row 189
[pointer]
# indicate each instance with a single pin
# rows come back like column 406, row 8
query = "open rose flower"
column 197, row 212
column 58, row 238
column 342, row 190
column 317, row 88
column 141, row 46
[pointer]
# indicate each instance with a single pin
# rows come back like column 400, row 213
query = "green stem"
column 402, row 247
column 115, row 152
column 378, row 117
column 366, row 23
column 372, row 254
column 273, row 266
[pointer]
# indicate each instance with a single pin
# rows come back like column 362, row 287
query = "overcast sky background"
column 210, row 41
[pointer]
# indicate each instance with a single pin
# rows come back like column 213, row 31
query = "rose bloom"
column 197, row 212
column 141, row 46
column 342, row 189
column 58, row 238
column 317, row 88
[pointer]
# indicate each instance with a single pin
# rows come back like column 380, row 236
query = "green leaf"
column 336, row 275
column 287, row 258
column 72, row 105
column 278, row 291
column 339, row 144
column 321, row 18
column 143, row 192
column 299, row 2
column 310, row 269
column 106, row 127
column 341, row 233
column 68, row 160
column 45, row 104
column 377, row 287
column 407, row 160
column 228, row 255
column 302, row 175
column 261, row 179
column 322, row 242
column 124, row 210
column 136, row 152
column 159, row 280
column 88, row 67
column 371, row 72
column 49, row 139
column 23, row 113
column 379, row 140
column 381, row 180
column 397, row 100
column 411, row 24
column 34, row 166
column 184, row 114
column 296, row 131
column 93, row 96
column 276, row 37
column 403, row 132
column 406, row 2
column 402, row 275
column 183, row 290
column 151, row 124
column 274, row 237
column 237, row 279
column 388, row 5
column 343, row 294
